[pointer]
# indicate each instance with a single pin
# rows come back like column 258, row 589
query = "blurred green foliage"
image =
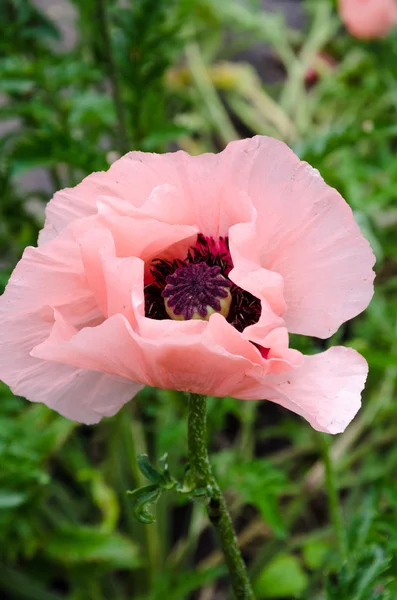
column 162, row 75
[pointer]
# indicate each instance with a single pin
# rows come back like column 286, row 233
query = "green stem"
column 127, row 442
column 209, row 96
column 247, row 423
column 218, row 513
column 333, row 499
column 152, row 538
column 104, row 32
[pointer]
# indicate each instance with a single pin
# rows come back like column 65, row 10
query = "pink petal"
column 128, row 178
column 151, row 329
column 216, row 362
column 268, row 321
column 80, row 395
column 50, row 275
column 53, row 274
column 113, row 281
column 307, row 234
column 325, row 389
column 95, row 242
column 124, row 288
column 146, row 238
column 165, row 203
column 111, row 347
column 195, row 190
column 221, row 334
column 248, row 272
column 203, row 183
column 280, row 356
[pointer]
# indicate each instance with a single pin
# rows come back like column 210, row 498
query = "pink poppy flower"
column 187, row 273
column 368, row 18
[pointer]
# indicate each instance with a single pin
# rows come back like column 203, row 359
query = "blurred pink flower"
column 237, row 248
column 368, row 18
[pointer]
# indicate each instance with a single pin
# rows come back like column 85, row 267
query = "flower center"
column 196, row 291
column 199, row 285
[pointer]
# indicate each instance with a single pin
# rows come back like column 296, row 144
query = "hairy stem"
column 218, row 513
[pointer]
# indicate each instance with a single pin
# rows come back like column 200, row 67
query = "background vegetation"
column 158, row 75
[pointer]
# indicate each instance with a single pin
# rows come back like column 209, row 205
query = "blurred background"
column 84, row 81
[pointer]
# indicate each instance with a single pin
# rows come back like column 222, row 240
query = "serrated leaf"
column 142, row 498
column 149, row 471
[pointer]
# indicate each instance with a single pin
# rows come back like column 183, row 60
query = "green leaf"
column 283, row 577
column 142, row 498
column 88, row 544
column 104, row 497
column 314, row 553
column 259, row 483
column 24, row 587
column 152, row 474
column 368, row 580
column 11, row 499
column 164, row 135
column 91, row 108
column 16, row 86
column 178, row 585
